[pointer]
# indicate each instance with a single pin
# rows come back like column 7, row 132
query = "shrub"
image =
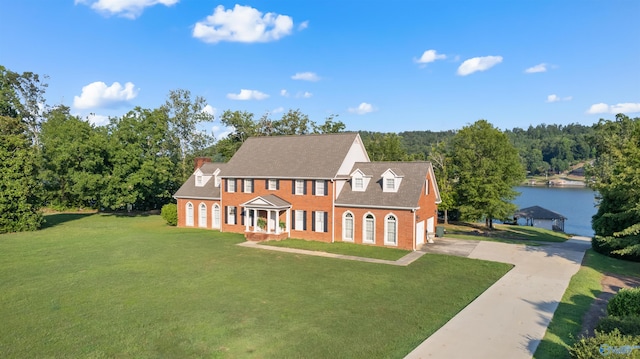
column 610, row 345
column 629, row 325
column 170, row 214
column 625, row 302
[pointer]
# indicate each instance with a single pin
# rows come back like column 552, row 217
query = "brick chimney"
column 199, row 161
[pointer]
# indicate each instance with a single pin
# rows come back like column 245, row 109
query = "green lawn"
column 503, row 233
column 95, row 286
column 349, row 249
column 583, row 289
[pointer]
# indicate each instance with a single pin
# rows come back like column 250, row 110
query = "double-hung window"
column 319, row 189
column 248, row 186
column 299, row 187
column 272, row 184
column 231, row 184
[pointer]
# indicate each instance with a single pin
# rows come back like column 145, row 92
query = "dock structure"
column 537, row 216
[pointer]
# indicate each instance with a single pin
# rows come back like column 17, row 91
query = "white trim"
column 388, row 242
column 344, row 226
column 189, row 214
column 197, row 197
column 364, row 228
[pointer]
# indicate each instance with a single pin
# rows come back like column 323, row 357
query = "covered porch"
column 266, row 218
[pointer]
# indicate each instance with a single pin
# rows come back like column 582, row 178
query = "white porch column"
column 246, row 220
column 255, row 219
column 276, row 220
column 269, row 215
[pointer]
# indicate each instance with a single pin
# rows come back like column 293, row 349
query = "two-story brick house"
column 316, row 187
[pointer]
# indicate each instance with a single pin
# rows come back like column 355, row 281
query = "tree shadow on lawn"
column 52, row 220
column 566, row 329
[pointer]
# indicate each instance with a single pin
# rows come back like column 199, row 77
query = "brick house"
column 315, row 187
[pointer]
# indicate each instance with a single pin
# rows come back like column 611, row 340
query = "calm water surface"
column 577, row 204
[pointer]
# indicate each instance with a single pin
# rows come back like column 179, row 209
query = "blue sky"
column 380, row 66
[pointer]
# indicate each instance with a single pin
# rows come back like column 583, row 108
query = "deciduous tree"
column 486, row 167
column 615, row 174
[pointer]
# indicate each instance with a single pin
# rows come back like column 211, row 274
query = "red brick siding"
column 404, row 218
column 182, row 212
column 308, row 202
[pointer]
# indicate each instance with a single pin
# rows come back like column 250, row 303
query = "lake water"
column 577, row 204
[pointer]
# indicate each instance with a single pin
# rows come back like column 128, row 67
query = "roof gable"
column 407, row 195
column 307, row 156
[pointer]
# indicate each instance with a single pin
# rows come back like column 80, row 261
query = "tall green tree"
column 615, row 174
column 487, row 167
column 20, row 190
column 74, row 155
column 143, row 161
column 184, row 115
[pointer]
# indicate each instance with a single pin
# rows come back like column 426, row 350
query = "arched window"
column 347, row 226
column 216, row 217
column 189, row 214
column 369, row 229
column 391, row 230
column 202, row 215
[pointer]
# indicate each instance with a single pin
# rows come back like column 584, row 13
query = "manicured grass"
column 584, row 287
column 503, row 233
column 132, row 287
column 349, row 249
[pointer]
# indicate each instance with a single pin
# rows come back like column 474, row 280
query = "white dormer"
column 359, row 180
column 391, row 180
column 201, row 178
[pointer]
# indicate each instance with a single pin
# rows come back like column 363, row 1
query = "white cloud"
column 247, row 95
column 306, row 76
column 98, row 120
column 303, row 25
column 242, row 24
column 627, row 107
column 277, row 110
column 556, row 98
column 478, row 64
column 430, row 56
column 538, row 68
column 362, row 108
column 210, row 110
column 97, row 94
column 305, row 94
column 284, row 93
column 125, row 8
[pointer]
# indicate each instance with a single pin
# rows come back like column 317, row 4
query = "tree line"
column 49, row 157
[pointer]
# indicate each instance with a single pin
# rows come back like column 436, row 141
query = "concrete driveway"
column 510, row 318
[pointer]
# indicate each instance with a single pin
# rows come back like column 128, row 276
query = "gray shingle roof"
column 309, row 156
column 537, row 212
column 208, row 191
column 407, row 195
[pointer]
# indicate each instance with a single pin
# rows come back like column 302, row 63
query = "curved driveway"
column 510, row 318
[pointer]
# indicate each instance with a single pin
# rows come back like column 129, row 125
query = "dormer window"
column 199, row 180
column 391, row 180
column 357, row 183
column 359, row 180
column 390, row 184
